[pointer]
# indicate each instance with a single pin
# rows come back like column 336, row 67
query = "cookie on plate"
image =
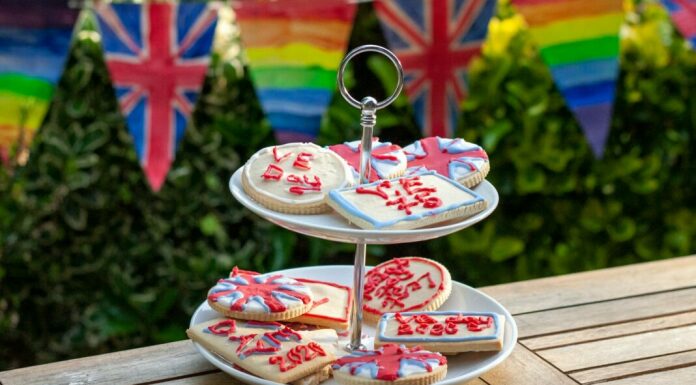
column 294, row 178
column 262, row 297
column 387, row 161
column 266, row 349
column 405, row 284
column 391, row 364
column 443, row 331
column 465, row 162
column 406, row 203
column 331, row 307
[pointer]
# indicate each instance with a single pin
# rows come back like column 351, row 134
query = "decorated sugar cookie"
column 465, row 162
column 443, row 331
column 267, row 349
column 331, row 307
column 390, row 364
column 388, row 160
column 261, row 297
column 406, row 202
column 405, row 284
column 295, row 177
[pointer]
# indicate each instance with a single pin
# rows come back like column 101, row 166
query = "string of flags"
column 157, row 54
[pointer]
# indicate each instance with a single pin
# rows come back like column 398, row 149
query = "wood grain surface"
column 630, row 325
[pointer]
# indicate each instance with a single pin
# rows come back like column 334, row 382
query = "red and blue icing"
column 270, row 293
column 423, row 327
column 389, row 363
column 387, row 159
column 415, row 193
column 453, row 158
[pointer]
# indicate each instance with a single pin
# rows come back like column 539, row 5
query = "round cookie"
column 457, row 159
column 405, row 284
column 294, row 178
column 387, row 161
column 260, row 297
column 391, row 364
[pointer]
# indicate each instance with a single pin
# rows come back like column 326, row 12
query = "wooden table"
column 631, row 325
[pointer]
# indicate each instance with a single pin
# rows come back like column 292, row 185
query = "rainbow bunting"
column 34, row 41
column 579, row 40
column 294, row 49
column 683, row 14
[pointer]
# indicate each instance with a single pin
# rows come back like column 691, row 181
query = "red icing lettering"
column 404, row 329
column 280, row 361
column 279, row 158
column 437, row 329
column 299, row 190
column 292, row 178
column 302, row 161
column 432, row 202
column 388, row 360
column 273, row 172
column 224, row 327
column 297, row 355
column 315, row 183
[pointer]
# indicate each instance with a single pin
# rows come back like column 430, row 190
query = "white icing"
column 454, row 146
column 459, row 169
column 415, row 170
column 331, row 169
column 407, row 369
column 414, row 150
column 387, row 168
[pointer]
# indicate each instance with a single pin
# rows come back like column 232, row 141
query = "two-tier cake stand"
column 331, row 226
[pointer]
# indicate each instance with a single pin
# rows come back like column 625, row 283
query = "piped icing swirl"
column 389, row 363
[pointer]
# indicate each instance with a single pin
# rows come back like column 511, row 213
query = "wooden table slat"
column 634, row 368
column 616, row 330
column 593, row 286
column 682, row 376
column 622, row 349
column 525, row 367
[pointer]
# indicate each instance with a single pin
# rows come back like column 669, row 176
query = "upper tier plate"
column 333, row 227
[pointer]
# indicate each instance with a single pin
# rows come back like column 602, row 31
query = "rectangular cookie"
column 407, row 202
column 332, row 305
column 269, row 350
column 443, row 331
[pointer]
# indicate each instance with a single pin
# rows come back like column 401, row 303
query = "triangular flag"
column 435, row 40
column 683, row 14
column 157, row 54
column 34, row 41
column 294, row 49
column 579, row 41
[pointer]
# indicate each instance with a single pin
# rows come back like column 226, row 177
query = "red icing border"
column 347, row 309
column 417, row 306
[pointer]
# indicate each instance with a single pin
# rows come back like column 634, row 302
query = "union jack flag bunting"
column 435, row 40
column 157, row 55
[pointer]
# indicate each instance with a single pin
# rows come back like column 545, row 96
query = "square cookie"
column 406, row 203
column 332, row 305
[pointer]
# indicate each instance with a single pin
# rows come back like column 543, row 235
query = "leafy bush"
column 93, row 261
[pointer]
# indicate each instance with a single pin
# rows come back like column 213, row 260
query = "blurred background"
column 92, row 260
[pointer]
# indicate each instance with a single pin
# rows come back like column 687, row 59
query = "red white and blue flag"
column 157, row 55
column 435, row 40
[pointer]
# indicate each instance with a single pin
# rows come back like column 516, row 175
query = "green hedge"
column 93, row 261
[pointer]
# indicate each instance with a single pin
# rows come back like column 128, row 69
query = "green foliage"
column 93, row 261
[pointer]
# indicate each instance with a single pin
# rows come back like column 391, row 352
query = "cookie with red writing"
column 294, row 178
column 390, row 364
column 465, row 162
column 443, row 331
column 405, row 284
column 268, row 350
column 262, row 297
column 331, row 307
column 406, row 203
column 387, row 160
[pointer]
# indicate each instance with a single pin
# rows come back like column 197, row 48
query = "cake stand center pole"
column 368, row 118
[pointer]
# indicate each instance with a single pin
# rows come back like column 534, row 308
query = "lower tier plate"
column 460, row 368
column 333, row 227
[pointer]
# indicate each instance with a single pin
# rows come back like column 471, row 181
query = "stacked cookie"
column 426, row 182
column 269, row 325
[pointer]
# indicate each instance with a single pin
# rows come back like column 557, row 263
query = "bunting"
column 683, row 14
column 294, row 49
column 435, row 40
column 157, row 55
column 34, row 41
column 579, row 41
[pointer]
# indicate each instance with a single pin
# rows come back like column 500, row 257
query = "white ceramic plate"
column 333, row 227
column 460, row 368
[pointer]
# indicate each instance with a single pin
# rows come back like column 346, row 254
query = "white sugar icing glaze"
column 330, row 169
column 387, row 160
column 453, row 158
column 389, row 362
